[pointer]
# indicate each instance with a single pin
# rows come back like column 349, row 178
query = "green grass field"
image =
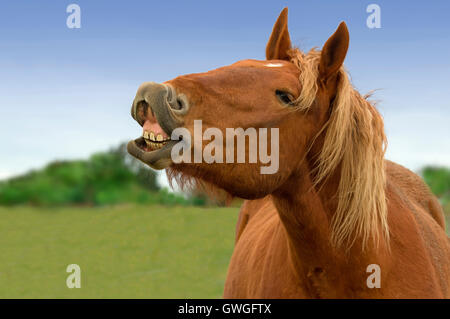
column 124, row 251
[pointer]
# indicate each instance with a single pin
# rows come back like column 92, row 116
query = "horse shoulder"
column 419, row 245
column 416, row 190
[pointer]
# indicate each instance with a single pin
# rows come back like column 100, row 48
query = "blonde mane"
column 355, row 142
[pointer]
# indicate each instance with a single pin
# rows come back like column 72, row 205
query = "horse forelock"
column 354, row 141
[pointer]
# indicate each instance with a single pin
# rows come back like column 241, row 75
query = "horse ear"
column 279, row 43
column 334, row 52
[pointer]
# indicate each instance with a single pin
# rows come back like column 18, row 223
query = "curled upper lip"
column 161, row 99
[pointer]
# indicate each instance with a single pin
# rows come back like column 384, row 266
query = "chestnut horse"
column 336, row 220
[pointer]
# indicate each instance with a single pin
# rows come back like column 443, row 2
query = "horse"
column 336, row 220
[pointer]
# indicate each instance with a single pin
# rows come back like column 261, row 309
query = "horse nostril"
column 142, row 109
column 177, row 102
column 179, row 105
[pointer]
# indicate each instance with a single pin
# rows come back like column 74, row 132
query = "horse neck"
column 306, row 211
column 306, row 216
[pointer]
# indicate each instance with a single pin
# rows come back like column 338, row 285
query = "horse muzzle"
column 159, row 110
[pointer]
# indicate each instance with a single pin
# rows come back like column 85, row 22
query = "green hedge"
column 438, row 178
column 105, row 178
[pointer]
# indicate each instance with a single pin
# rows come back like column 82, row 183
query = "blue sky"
column 66, row 93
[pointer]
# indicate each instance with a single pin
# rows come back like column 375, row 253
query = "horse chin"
column 156, row 158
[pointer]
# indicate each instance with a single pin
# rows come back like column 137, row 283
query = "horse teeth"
column 155, row 141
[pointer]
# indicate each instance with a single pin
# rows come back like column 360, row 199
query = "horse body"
column 417, row 265
column 335, row 220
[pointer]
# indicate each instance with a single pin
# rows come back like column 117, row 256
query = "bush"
column 438, row 178
column 105, row 178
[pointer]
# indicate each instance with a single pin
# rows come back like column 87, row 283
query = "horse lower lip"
column 158, row 159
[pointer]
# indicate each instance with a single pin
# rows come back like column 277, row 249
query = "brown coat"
column 418, row 265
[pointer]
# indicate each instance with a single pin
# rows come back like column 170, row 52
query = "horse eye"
column 284, row 97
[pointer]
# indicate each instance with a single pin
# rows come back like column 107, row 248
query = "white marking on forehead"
column 273, row 65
